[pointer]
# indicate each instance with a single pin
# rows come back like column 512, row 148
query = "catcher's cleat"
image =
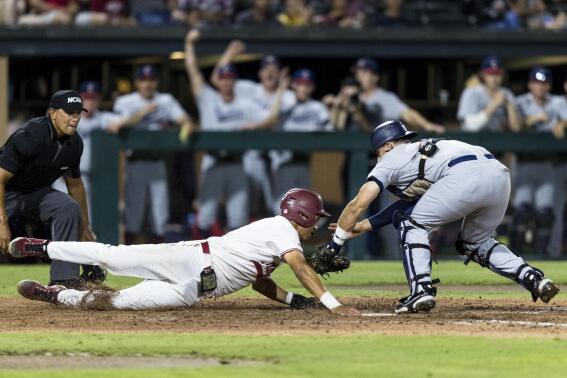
column 35, row 291
column 422, row 301
column 546, row 290
column 28, row 247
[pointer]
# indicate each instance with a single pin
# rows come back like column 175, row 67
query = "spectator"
column 222, row 172
column 381, row 105
column 50, row 12
column 146, row 175
column 291, row 169
column 152, row 12
column 9, row 11
column 264, row 94
column 344, row 14
column 296, row 13
column 260, row 14
column 201, row 13
column 489, row 106
column 347, row 112
column 542, row 18
column 392, row 17
column 533, row 202
column 103, row 12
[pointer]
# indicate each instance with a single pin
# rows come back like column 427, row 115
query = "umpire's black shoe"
column 35, row 291
column 77, row 284
column 94, row 274
column 28, row 247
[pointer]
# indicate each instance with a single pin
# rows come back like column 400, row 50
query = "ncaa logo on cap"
column 73, row 99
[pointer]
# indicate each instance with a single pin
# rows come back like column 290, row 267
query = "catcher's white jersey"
column 251, row 252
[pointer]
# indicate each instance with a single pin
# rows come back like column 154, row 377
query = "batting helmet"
column 388, row 131
column 302, row 206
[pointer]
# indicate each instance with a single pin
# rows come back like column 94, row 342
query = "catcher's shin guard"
column 416, row 253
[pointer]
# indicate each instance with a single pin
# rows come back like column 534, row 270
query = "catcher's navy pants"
column 58, row 209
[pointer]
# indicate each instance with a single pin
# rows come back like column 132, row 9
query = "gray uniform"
column 291, row 170
column 254, row 164
column 146, row 176
column 222, row 173
column 467, row 183
column 475, row 99
column 382, row 105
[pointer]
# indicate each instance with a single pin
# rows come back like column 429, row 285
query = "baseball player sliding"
column 465, row 181
column 180, row 274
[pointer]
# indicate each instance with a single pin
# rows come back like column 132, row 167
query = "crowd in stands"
column 351, row 14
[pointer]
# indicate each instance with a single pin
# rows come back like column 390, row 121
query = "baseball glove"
column 327, row 260
column 300, row 302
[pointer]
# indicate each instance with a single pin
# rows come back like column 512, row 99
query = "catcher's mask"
column 302, row 206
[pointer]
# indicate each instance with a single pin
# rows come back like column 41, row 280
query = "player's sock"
column 71, row 297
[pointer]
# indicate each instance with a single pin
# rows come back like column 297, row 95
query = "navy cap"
column 492, row 65
column 304, row 75
column 539, row 73
column 228, row 70
column 147, row 72
column 90, row 89
column 270, row 59
column 67, row 99
column 366, row 64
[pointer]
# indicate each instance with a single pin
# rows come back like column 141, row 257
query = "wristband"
column 341, row 236
column 329, row 301
column 288, row 297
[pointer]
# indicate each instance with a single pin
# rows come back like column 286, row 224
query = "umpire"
column 36, row 155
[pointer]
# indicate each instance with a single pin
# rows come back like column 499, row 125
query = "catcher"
column 181, row 274
column 463, row 182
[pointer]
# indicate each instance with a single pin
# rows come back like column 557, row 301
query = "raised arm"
column 233, row 49
column 272, row 118
column 195, row 75
column 310, row 281
column 413, row 117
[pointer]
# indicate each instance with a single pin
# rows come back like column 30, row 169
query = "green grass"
column 317, row 356
column 325, row 356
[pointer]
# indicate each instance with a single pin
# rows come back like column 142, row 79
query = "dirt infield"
column 489, row 317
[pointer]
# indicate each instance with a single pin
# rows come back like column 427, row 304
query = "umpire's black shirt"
column 37, row 157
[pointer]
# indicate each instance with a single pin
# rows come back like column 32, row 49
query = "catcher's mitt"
column 327, row 260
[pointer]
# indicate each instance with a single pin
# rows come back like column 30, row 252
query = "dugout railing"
column 106, row 148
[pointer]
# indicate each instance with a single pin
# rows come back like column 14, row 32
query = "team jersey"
column 256, row 92
column 168, row 109
column 382, row 105
column 218, row 115
column 553, row 107
column 399, row 167
column 251, row 252
column 475, row 99
column 95, row 121
column 306, row 116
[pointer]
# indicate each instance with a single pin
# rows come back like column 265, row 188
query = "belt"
column 464, row 158
column 207, row 254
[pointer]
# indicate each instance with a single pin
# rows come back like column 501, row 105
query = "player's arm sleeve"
column 176, row 111
column 394, row 108
column 75, row 170
column 244, row 88
column 382, row 176
column 18, row 150
column 324, row 119
column 284, row 242
column 120, row 107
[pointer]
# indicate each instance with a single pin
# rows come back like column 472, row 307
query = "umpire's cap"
column 69, row 100
column 388, row 131
column 302, row 206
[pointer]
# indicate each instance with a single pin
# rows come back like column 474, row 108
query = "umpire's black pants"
column 58, row 209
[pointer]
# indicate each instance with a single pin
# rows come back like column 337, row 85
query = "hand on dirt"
column 345, row 311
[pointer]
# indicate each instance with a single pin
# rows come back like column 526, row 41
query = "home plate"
column 378, row 314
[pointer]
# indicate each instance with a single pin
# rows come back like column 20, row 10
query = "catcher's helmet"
column 388, row 131
column 302, row 206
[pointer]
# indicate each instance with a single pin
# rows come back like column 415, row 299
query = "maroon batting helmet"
column 302, row 206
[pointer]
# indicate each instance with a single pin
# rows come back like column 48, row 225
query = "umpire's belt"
column 464, row 158
column 207, row 254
